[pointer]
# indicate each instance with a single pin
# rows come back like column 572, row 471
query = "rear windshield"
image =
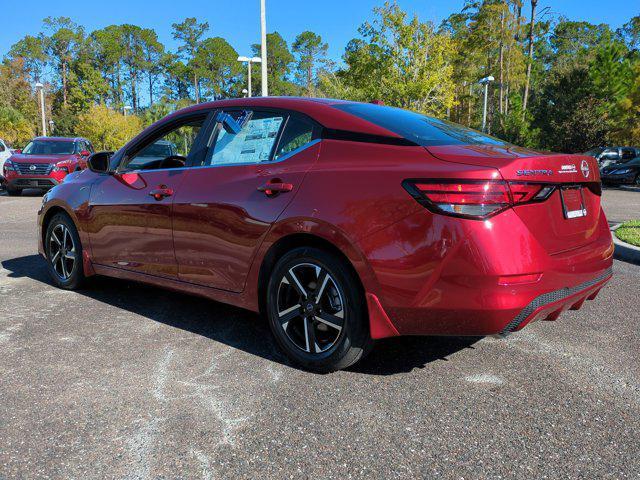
column 49, row 147
column 418, row 128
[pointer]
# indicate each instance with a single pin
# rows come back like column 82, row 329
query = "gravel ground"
column 127, row 381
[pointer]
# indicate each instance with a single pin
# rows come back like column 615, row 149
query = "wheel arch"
column 293, row 240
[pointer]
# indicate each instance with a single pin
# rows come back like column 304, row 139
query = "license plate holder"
column 573, row 202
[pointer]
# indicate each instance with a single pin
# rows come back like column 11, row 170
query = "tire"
column 13, row 192
column 637, row 180
column 63, row 251
column 325, row 334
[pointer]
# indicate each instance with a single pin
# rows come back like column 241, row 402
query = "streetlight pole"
column 485, row 81
column 40, row 86
column 263, row 47
column 249, row 61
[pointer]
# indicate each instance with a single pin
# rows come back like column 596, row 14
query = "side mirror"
column 85, row 153
column 99, row 162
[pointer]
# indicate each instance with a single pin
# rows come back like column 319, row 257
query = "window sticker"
column 251, row 145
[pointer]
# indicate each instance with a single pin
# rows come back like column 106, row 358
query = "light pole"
column 263, row 47
column 485, row 81
column 40, row 86
column 249, row 61
column 125, row 109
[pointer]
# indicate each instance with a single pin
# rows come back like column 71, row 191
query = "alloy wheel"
column 62, row 251
column 310, row 308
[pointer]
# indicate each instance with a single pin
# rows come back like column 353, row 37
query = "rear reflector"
column 476, row 199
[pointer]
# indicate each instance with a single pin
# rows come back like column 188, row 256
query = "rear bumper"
column 448, row 277
column 549, row 306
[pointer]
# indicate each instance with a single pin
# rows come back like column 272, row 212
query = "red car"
column 45, row 162
column 341, row 222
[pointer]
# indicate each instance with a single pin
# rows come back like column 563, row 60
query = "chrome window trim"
column 281, row 159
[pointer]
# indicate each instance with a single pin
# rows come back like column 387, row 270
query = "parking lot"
column 128, row 381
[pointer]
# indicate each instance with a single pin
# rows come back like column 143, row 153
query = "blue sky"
column 238, row 21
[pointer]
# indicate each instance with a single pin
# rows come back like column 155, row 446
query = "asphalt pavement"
column 126, row 381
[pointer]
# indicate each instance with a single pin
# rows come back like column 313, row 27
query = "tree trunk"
column 64, row 84
column 534, row 3
column 501, row 61
column 150, row 90
column 195, row 87
column 309, row 74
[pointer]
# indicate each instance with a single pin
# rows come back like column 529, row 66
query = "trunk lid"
column 569, row 217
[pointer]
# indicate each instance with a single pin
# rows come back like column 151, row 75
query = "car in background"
column 611, row 155
column 5, row 153
column 45, row 162
column 341, row 222
column 627, row 173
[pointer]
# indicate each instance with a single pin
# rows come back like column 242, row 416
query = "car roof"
column 320, row 109
column 61, row 139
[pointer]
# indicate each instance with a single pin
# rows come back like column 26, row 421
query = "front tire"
column 316, row 310
column 64, row 253
column 13, row 192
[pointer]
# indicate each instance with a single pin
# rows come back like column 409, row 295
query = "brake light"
column 476, row 199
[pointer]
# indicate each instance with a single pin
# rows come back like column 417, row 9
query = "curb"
column 623, row 250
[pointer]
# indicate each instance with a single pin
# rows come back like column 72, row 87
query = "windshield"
column 418, row 128
column 160, row 150
column 49, row 147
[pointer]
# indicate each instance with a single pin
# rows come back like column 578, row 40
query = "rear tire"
column 63, row 251
column 317, row 311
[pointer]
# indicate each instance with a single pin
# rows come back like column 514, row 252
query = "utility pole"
column 40, row 86
column 263, row 49
column 485, row 81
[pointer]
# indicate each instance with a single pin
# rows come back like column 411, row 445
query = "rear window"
column 418, row 128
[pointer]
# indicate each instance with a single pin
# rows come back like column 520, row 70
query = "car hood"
column 21, row 158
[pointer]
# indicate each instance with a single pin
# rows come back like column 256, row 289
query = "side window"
column 168, row 150
column 627, row 153
column 244, row 137
column 297, row 133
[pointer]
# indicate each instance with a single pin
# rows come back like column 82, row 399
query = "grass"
column 629, row 232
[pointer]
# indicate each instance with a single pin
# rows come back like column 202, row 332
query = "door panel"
column 130, row 228
column 222, row 214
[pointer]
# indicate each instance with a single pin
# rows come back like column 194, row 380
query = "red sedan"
column 341, row 222
column 45, row 162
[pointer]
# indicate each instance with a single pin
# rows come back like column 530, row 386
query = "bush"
column 106, row 128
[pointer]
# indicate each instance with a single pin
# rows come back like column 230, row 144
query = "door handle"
column 274, row 188
column 161, row 192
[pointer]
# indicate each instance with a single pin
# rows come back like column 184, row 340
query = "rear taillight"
column 476, row 199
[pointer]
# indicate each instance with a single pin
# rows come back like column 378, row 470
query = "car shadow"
column 236, row 327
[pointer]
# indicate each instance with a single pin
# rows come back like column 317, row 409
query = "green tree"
column 190, row 32
column 152, row 53
column 311, row 52
column 401, row 61
column 218, row 67
column 62, row 45
column 278, row 66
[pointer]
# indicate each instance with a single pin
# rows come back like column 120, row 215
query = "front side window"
column 297, row 133
column 244, row 137
column 628, row 153
column 49, row 147
column 169, row 150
